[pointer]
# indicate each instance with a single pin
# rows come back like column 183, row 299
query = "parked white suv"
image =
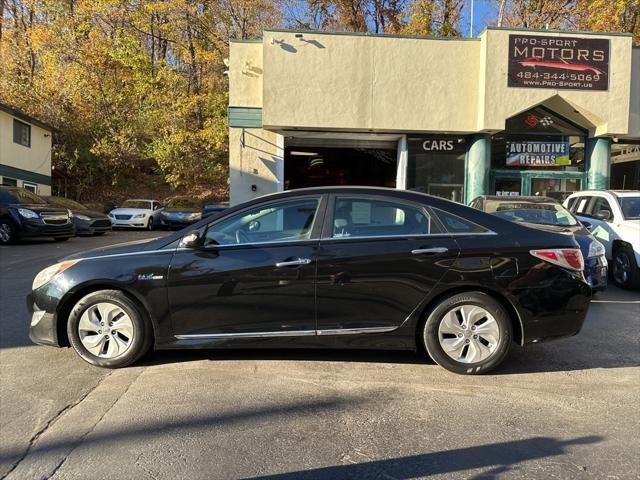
column 613, row 217
column 138, row 213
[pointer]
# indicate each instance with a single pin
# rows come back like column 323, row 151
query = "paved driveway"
column 565, row 409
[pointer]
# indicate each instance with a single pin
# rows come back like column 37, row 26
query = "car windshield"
column 531, row 212
column 630, row 207
column 20, row 196
column 137, row 204
column 66, row 202
column 184, row 203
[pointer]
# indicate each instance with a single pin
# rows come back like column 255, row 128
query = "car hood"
column 181, row 210
column 90, row 213
column 41, row 208
column 120, row 248
column 129, row 211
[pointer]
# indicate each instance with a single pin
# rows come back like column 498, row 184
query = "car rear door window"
column 356, row 217
column 288, row 220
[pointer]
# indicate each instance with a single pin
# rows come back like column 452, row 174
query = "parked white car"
column 137, row 213
column 613, row 217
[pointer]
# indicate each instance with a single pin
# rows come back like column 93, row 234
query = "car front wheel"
column 150, row 225
column 7, row 232
column 107, row 329
column 468, row 333
column 624, row 271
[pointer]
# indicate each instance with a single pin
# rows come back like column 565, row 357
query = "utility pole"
column 471, row 23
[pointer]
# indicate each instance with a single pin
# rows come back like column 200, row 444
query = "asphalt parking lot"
column 565, row 409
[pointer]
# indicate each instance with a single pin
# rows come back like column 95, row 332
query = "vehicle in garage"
column 547, row 214
column 23, row 214
column 136, row 213
column 339, row 267
column 613, row 217
column 85, row 221
column 181, row 212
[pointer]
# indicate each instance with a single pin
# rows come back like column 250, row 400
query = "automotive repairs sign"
column 538, row 154
column 565, row 63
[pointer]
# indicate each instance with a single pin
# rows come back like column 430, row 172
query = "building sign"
column 439, row 144
column 565, row 63
column 537, row 154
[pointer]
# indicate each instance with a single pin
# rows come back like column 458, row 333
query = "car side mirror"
column 603, row 215
column 586, row 224
column 190, row 240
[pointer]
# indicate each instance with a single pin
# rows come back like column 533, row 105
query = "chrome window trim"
column 273, row 242
column 409, row 237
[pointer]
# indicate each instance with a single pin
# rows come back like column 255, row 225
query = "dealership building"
column 513, row 111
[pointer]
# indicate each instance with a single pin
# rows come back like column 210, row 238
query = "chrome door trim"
column 355, row 331
column 285, row 333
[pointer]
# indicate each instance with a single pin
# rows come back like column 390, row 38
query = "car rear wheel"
column 107, row 329
column 7, row 232
column 468, row 333
column 624, row 271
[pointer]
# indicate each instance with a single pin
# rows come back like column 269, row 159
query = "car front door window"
column 290, row 220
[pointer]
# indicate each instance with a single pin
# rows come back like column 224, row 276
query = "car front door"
column 378, row 259
column 253, row 275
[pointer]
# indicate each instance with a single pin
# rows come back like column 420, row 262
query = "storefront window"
column 436, row 166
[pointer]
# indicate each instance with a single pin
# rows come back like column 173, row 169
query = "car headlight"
column 195, row 216
column 48, row 273
column 139, row 215
column 26, row 213
column 596, row 249
column 82, row 217
column 110, row 214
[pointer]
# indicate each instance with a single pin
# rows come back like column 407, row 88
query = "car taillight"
column 563, row 257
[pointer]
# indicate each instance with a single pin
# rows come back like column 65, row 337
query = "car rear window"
column 532, row 212
column 455, row 224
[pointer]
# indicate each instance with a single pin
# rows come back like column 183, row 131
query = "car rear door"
column 253, row 277
column 378, row 259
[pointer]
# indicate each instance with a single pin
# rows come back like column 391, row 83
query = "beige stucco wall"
column 359, row 82
column 254, row 159
column 606, row 111
column 35, row 159
column 383, row 83
column 245, row 74
column 634, row 112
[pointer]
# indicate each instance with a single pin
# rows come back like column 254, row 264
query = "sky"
column 485, row 12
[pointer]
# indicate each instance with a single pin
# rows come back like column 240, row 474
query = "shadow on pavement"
column 501, row 457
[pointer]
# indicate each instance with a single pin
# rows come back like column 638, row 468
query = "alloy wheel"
column 469, row 334
column 5, row 232
column 105, row 330
column 621, row 268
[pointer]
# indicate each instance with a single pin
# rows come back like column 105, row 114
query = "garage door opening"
column 316, row 166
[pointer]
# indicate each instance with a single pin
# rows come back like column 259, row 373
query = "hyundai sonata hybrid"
column 335, row 267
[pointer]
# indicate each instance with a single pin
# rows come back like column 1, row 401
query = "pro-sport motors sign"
column 537, row 154
column 565, row 63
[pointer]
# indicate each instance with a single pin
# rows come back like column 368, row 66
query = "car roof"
column 519, row 198
column 619, row 193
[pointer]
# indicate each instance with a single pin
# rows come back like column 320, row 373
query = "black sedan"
column 339, row 267
column 23, row 214
column 180, row 212
column 547, row 214
column 85, row 221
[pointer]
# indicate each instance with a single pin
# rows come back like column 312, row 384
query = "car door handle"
column 293, row 263
column 429, row 251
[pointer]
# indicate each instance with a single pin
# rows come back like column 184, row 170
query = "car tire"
column 8, row 234
column 474, row 327
column 150, row 224
column 115, row 344
column 624, row 271
column 61, row 239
